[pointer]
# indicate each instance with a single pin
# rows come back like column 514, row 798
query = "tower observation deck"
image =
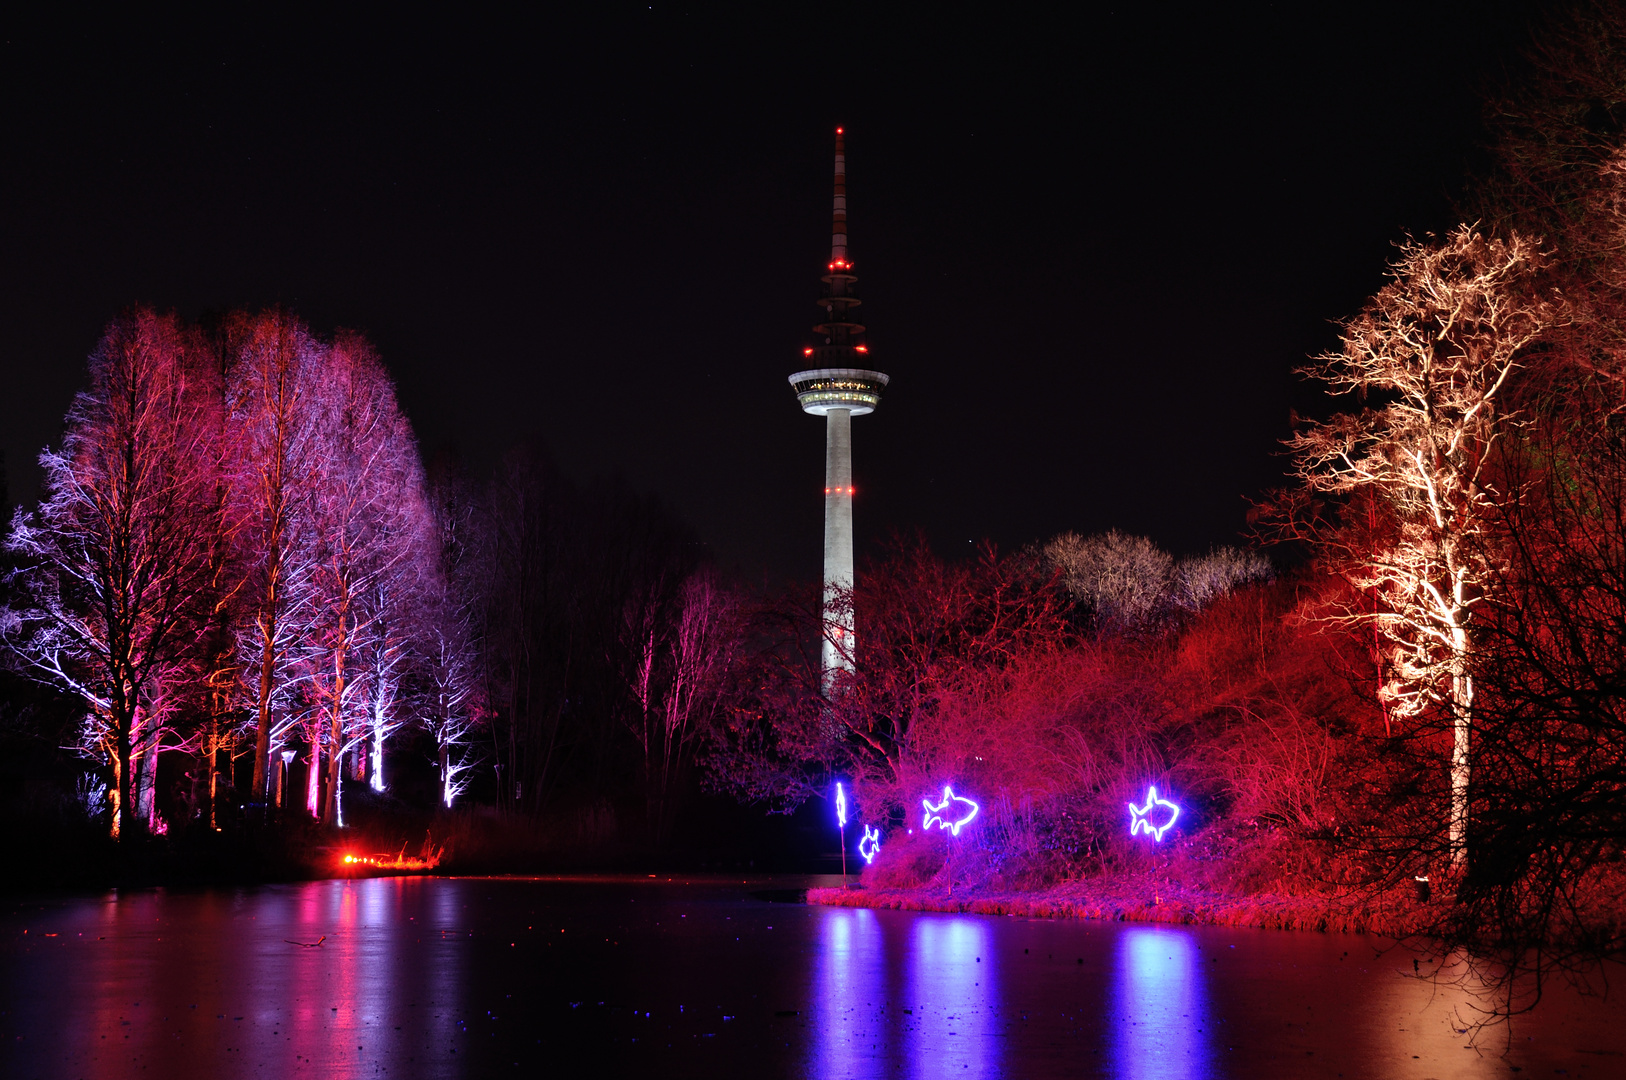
column 838, row 387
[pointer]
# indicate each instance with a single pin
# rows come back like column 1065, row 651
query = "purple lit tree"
column 119, row 566
column 368, row 539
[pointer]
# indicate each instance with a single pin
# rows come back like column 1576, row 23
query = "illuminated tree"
column 366, row 543
column 933, row 626
column 1128, row 583
column 273, row 387
column 452, row 705
column 1431, row 358
column 117, row 567
column 1123, row 581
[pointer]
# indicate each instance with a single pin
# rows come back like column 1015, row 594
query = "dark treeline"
column 607, row 637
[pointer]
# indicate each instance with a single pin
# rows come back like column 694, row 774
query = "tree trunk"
column 1462, row 708
column 313, row 781
column 332, row 814
column 376, row 754
column 147, row 800
column 445, row 777
column 262, row 727
column 214, row 765
column 121, row 780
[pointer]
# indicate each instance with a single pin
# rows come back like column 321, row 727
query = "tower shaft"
column 837, row 652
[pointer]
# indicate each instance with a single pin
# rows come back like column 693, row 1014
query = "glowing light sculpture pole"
column 951, row 815
column 838, row 388
column 841, row 824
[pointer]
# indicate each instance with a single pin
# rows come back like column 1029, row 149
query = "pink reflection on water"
column 1159, row 1027
column 366, row 998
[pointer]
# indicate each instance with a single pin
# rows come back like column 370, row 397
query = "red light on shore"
column 838, row 131
column 863, row 348
column 807, row 352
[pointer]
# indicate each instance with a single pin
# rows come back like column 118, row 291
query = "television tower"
column 838, row 388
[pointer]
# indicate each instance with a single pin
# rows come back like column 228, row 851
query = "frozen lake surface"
column 710, row 977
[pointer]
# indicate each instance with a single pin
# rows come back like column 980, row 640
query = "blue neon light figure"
column 1140, row 817
column 953, row 813
column 870, row 845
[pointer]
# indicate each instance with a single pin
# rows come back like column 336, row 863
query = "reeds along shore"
column 1396, row 916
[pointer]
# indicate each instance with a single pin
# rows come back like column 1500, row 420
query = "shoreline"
column 1081, row 900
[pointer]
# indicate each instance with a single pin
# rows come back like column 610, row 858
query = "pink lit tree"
column 681, row 642
column 273, row 386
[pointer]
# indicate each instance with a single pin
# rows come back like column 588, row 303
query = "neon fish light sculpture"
column 953, row 813
column 1140, row 817
column 870, row 845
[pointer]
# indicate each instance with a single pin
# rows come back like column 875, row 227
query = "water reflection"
column 475, row 978
column 953, row 991
column 852, row 974
column 1159, row 1028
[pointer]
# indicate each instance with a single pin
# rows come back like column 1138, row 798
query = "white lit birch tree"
column 452, row 705
column 1431, row 360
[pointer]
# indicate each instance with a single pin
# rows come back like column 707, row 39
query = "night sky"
column 1091, row 248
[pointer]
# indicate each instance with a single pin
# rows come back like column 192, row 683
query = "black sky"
column 1091, row 247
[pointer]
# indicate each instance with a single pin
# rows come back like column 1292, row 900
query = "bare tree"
column 1122, row 580
column 452, row 705
column 680, row 648
column 1128, row 583
column 933, row 623
column 367, row 539
column 1432, row 357
column 117, row 564
column 1202, row 579
column 273, row 385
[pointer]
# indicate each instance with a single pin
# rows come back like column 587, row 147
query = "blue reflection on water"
column 1159, row 1028
column 953, row 991
column 852, row 1034
column 927, row 1010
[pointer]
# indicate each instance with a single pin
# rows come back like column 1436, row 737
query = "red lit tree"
column 680, row 643
column 275, row 367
